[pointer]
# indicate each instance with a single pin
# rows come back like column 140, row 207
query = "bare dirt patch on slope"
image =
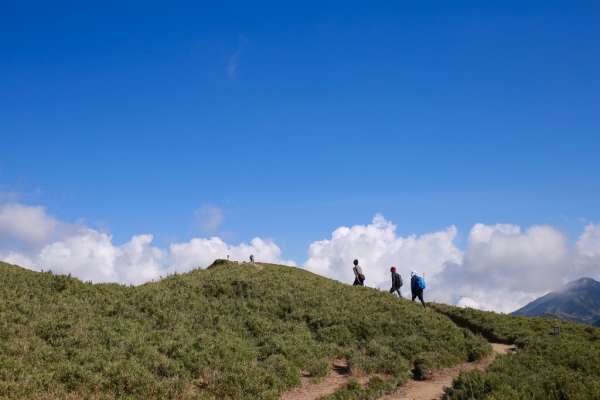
column 339, row 376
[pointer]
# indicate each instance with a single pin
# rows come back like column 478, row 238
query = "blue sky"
column 297, row 119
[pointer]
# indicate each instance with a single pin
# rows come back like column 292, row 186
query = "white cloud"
column 510, row 268
column 588, row 250
column 588, row 244
column 91, row 255
column 202, row 252
column 233, row 60
column 233, row 64
column 29, row 225
column 481, row 233
column 377, row 247
column 502, row 268
column 209, row 217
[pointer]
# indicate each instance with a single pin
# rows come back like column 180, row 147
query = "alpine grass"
column 544, row 366
column 226, row 332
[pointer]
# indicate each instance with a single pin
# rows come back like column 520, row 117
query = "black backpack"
column 397, row 280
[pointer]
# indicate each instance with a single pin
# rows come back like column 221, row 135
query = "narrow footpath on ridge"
column 434, row 388
column 430, row 389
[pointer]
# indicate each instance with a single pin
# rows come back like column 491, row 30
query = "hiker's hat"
column 393, row 269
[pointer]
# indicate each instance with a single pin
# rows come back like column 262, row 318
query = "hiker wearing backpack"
column 359, row 278
column 417, row 285
column 396, row 282
column 251, row 258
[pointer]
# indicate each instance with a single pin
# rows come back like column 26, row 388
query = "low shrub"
column 376, row 387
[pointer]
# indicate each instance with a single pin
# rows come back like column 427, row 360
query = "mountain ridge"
column 577, row 301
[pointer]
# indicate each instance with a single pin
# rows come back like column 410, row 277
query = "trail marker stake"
column 556, row 330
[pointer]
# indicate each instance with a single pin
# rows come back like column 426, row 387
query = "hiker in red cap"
column 396, row 281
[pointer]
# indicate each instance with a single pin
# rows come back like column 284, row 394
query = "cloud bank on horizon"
column 32, row 239
column 502, row 268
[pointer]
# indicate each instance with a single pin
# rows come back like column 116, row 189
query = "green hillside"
column 543, row 367
column 577, row 301
column 227, row 332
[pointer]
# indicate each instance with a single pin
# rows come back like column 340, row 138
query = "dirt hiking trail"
column 431, row 389
column 252, row 264
column 340, row 375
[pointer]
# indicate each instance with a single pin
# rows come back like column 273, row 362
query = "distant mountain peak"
column 577, row 301
column 582, row 282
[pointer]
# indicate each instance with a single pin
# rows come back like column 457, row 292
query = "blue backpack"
column 420, row 283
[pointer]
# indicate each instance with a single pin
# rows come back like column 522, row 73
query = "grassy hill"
column 577, row 301
column 236, row 332
column 227, row 332
column 543, row 367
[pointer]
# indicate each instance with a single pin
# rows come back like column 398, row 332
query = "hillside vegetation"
column 544, row 367
column 228, row 332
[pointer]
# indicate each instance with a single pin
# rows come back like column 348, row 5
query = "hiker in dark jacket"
column 359, row 278
column 396, row 281
column 415, row 288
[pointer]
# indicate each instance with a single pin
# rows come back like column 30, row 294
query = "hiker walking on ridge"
column 359, row 278
column 396, row 282
column 251, row 258
column 417, row 285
